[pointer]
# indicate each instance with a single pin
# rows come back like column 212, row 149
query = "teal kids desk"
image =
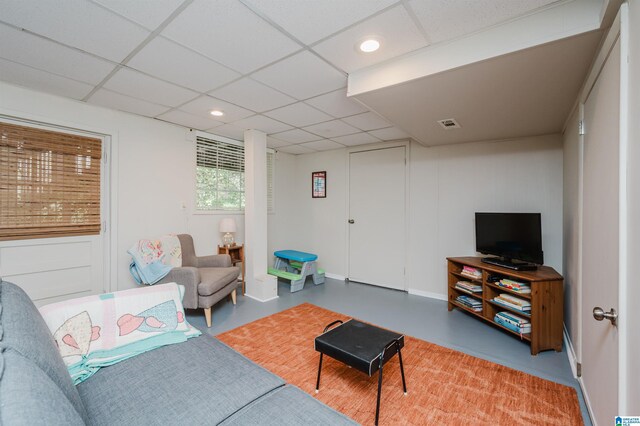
column 296, row 266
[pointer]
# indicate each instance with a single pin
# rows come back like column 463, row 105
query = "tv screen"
column 510, row 235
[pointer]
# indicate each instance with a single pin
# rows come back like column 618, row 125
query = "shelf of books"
column 527, row 304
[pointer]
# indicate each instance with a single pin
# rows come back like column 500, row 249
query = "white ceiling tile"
column 80, row 24
column 120, row 102
column 230, row 33
column 169, row 61
column 389, row 134
column 188, row 120
column 252, row 95
column 323, row 145
column 203, row 106
column 228, row 131
column 32, row 78
column 133, row 83
column 330, row 129
column 276, row 143
column 454, row 18
column 302, row 76
column 298, row 115
column 296, row 136
column 296, row 149
column 262, row 123
column 367, row 121
column 294, row 15
column 395, row 29
column 27, row 49
column 357, row 139
column 148, row 13
column 336, row 104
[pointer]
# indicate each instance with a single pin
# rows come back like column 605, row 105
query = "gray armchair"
column 207, row 279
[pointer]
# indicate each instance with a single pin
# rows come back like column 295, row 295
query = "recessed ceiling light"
column 369, row 45
column 217, row 113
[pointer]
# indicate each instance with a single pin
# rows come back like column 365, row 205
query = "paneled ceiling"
column 279, row 66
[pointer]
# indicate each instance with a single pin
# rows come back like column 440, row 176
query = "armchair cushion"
column 214, row 261
column 214, row 279
column 189, row 277
column 189, row 257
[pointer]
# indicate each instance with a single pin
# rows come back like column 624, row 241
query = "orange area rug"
column 444, row 386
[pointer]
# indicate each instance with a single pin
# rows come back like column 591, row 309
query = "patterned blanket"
column 153, row 259
column 97, row 331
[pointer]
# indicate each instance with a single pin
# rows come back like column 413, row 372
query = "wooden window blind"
column 49, row 183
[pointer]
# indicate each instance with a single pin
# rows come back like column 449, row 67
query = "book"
column 502, row 302
column 466, row 285
column 512, row 318
column 470, row 302
column 514, row 286
column 471, row 272
column 515, row 300
column 520, row 330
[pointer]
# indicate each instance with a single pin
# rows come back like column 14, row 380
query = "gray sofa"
column 200, row 382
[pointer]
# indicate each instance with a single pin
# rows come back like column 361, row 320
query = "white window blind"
column 220, row 176
column 271, row 158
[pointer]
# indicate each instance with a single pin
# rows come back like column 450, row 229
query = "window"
column 49, row 183
column 220, row 175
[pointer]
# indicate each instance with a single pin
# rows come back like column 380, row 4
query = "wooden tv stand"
column 546, row 299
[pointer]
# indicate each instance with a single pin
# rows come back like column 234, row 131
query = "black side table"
column 361, row 346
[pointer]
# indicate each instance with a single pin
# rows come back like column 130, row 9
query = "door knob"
column 352, row 221
column 599, row 314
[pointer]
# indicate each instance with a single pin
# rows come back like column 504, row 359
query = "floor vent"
column 449, row 123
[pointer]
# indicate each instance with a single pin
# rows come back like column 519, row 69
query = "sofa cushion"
column 201, row 381
column 23, row 330
column 287, row 406
column 28, row 396
column 214, row 279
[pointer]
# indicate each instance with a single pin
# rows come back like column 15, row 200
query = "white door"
column 53, row 269
column 377, row 217
column 600, row 236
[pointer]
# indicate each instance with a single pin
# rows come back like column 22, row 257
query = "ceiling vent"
column 449, row 123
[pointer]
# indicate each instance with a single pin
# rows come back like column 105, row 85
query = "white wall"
column 154, row 165
column 571, row 226
column 447, row 185
column 633, row 320
column 450, row 183
column 319, row 224
column 282, row 223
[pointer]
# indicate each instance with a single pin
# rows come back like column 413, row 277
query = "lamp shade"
column 228, row 224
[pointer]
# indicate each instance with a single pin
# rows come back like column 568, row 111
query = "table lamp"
column 228, row 226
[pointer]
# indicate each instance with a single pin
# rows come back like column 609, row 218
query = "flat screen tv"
column 511, row 236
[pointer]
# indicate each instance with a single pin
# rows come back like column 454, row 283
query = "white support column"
column 259, row 285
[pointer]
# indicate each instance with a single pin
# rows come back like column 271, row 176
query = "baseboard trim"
column 428, row 294
column 260, row 300
column 587, row 402
column 335, row 276
column 573, row 362
column 571, row 354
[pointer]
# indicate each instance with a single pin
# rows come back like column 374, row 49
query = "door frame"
column 108, row 182
column 406, row 143
column 619, row 30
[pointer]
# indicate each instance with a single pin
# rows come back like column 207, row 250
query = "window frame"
column 231, row 141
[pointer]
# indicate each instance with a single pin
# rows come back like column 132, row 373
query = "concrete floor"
column 421, row 317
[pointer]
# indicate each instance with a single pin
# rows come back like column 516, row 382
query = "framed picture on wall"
column 319, row 185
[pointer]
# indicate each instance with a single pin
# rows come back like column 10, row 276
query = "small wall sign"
column 319, row 185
